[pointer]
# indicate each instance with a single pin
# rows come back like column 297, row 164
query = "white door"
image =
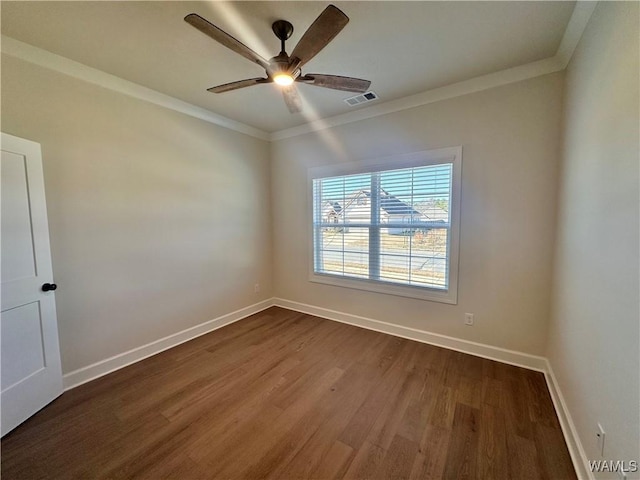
column 31, row 375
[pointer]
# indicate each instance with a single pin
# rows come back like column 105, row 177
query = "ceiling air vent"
column 362, row 98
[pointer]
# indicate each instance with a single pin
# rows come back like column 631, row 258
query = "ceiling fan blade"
column 292, row 99
column 348, row 84
column 239, row 84
column 224, row 38
column 328, row 24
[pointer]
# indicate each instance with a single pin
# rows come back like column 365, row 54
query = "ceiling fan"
column 284, row 69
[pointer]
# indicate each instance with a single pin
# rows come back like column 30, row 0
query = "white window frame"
column 451, row 155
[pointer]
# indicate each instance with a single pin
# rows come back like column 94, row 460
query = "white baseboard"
column 576, row 450
column 511, row 357
column 490, row 352
column 103, row 367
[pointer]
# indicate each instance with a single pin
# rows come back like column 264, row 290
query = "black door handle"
column 49, row 286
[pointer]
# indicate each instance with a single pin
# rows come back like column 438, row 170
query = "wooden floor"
column 285, row 395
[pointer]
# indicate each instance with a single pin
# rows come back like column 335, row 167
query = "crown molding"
column 476, row 84
column 52, row 61
column 575, row 28
column 577, row 23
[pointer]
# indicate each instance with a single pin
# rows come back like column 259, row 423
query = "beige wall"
column 148, row 209
column 158, row 221
column 510, row 137
column 594, row 333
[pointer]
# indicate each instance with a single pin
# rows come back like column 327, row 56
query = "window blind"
column 390, row 226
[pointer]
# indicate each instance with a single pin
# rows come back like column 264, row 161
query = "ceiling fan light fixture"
column 285, row 69
column 283, row 79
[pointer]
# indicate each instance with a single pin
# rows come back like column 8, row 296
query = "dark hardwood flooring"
column 285, row 395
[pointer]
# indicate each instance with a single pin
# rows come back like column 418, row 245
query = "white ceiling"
column 404, row 48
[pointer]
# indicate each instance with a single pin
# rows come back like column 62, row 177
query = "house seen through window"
column 388, row 227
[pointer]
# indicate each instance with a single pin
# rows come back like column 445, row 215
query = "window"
column 389, row 226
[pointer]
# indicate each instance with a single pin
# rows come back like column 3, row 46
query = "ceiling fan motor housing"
column 281, row 64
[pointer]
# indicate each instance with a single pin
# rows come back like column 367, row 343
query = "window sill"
column 421, row 293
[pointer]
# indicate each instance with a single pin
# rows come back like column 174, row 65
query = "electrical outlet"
column 256, row 288
column 468, row 318
column 600, row 439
